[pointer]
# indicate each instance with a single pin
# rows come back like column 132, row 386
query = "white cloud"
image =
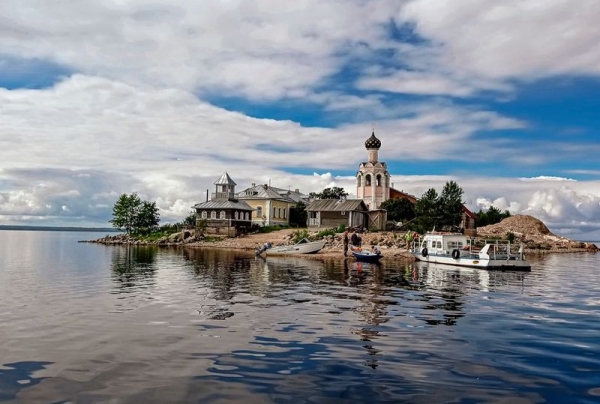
column 130, row 119
column 499, row 41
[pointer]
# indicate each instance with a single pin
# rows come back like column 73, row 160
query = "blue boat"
column 366, row 255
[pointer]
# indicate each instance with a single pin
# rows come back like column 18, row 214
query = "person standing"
column 354, row 240
column 345, row 243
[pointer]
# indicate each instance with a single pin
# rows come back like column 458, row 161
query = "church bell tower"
column 373, row 178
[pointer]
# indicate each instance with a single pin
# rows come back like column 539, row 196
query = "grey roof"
column 331, row 205
column 240, row 205
column 225, row 180
column 264, row 192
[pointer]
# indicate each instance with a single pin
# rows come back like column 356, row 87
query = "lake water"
column 88, row 323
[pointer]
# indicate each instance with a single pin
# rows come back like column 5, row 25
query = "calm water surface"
column 88, row 323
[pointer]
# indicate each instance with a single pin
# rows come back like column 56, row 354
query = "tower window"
column 368, row 180
column 358, row 180
column 378, row 180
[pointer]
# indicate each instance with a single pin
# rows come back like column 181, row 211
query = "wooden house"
column 224, row 214
column 335, row 212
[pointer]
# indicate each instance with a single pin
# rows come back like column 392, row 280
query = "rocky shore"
column 529, row 231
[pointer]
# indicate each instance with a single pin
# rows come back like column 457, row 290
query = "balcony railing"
column 222, row 195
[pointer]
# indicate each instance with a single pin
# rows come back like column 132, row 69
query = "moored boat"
column 304, row 246
column 460, row 250
column 366, row 255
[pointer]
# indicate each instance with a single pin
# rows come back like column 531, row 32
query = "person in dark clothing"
column 346, row 243
column 355, row 240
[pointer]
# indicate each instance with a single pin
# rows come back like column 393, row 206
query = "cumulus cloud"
column 490, row 42
column 131, row 115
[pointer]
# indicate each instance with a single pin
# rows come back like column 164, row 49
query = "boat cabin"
column 438, row 244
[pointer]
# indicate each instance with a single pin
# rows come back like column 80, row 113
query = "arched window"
column 284, row 213
column 237, row 215
column 222, row 215
column 378, row 180
column 279, row 213
column 246, row 214
column 204, row 214
column 259, row 211
column 213, row 214
column 274, row 210
column 358, row 180
column 368, row 180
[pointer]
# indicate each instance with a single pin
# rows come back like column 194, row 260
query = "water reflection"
column 133, row 266
column 19, row 375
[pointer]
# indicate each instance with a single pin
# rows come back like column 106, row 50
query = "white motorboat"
column 303, row 246
column 458, row 249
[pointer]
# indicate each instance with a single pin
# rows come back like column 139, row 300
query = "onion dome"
column 373, row 142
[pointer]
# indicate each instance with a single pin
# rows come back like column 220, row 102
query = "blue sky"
column 100, row 98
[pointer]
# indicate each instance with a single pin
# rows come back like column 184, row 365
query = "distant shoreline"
column 57, row 228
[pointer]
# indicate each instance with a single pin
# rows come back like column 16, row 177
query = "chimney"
column 297, row 190
column 253, row 184
column 207, row 195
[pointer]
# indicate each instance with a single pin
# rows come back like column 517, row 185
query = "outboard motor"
column 263, row 248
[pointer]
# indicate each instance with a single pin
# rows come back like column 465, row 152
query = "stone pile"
column 534, row 235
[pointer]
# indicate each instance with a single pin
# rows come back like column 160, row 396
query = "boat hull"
column 476, row 262
column 366, row 256
column 306, row 248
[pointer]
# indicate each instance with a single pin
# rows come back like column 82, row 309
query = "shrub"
column 325, row 233
column 299, row 235
column 510, row 236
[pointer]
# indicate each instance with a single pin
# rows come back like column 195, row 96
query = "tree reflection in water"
column 133, row 266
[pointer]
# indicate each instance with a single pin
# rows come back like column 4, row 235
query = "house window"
column 204, row 214
column 236, row 215
column 343, row 213
column 279, row 213
column 222, row 215
column 368, row 180
column 284, row 213
column 313, row 215
column 274, row 210
column 213, row 214
column 246, row 214
column 259, row 211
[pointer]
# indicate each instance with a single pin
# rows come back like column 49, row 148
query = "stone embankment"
column 391, row 244
column 531, row 232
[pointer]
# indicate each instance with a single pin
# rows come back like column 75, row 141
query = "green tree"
column 329, row 193
column 147, row 218
column 133, row 215
column 125, row 212
column 399, row 209
column 427, row 210
column 491, row 216
column 450, row 204
column 298, row 215
column 190, row 220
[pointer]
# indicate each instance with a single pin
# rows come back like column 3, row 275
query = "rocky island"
column 524, row 229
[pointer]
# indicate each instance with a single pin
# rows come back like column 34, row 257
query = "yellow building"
column 271, row 205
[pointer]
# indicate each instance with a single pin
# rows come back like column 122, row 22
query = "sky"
column 104, row 97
